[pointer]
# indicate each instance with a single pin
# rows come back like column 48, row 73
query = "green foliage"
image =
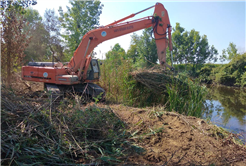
column 133, row 52
column 114, row 75
column 186, row 100
column 45, row 36
column 32, row 16
column 80, row 18
column 115, row 55
column 233, row 72
column 53, row 39
column 190, row 47
column 205, row 73
column 37, row 49
column 230, row 52
column 147, row 47
column 143, row 49
column 17, row 5
column 121, row 87
column 179, row 43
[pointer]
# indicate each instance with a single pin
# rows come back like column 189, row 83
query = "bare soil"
column 179, row 140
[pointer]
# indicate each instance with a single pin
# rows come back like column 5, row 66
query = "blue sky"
column 221, row 21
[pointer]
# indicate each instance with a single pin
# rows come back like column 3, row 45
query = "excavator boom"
column 160, row 23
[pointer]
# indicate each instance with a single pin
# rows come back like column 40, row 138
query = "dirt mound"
column 173, row 139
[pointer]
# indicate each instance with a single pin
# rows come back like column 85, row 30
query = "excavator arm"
column 159, row 21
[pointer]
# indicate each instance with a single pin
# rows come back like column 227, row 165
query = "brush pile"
column 157, row 80
column 34, row 132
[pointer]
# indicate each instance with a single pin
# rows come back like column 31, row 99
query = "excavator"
column 82, row 71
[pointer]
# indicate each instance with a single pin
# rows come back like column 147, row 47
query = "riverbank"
column 33, row 131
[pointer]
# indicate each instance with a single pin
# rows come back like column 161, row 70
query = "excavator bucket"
column 161, row 28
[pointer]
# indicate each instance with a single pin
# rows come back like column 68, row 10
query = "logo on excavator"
column 104, row 33
column 45, row 74
column 162, row 14
column 124, row 28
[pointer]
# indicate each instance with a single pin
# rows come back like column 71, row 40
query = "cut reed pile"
column 158, row 80
column 176, row 91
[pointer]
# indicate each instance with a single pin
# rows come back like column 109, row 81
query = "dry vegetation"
column 36, row 132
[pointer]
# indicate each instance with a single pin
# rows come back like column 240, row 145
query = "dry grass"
column 36, row 132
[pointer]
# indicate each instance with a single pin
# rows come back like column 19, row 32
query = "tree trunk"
column 8, row 58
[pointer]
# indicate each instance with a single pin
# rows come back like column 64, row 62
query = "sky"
column 221, row 21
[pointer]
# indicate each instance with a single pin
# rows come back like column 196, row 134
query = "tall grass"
column 186, row 100
column 117, row 82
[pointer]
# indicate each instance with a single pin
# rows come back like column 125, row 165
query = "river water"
column 226, row 107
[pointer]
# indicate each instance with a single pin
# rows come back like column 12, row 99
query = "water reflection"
column 226, row 107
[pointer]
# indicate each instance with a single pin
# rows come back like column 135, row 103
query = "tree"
column 143, row 49
column 82, row 17
column 190, row 47
column 54, row 42
column 14, row 39
column 46, row 38
column 147, row 47
column 230, row 52
column 132, row 52
column 179, row 43
column 115, row 55
column 37, row 48
column 17, row 4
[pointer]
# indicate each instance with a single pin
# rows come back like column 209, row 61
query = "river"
column 226, row 107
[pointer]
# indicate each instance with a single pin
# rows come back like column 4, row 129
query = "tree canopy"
column 191, row 47
column 230, row 52
column 18, row 5
column 80, row 18
column 143, row 49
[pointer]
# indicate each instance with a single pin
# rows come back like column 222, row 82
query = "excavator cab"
column 93, row 72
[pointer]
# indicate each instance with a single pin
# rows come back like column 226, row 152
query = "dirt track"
column 181, row 140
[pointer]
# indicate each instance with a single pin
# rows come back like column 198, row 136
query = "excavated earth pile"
column 173, row 139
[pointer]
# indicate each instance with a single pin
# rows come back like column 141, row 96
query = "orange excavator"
column 80, row 73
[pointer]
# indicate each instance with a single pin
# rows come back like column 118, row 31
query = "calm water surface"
column 226, row 107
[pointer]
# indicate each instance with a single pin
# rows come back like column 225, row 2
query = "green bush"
column 232, row 73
